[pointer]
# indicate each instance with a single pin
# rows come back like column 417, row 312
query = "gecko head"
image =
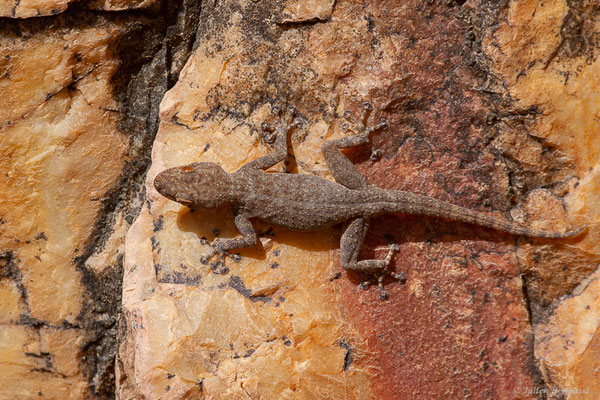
column 196, row 185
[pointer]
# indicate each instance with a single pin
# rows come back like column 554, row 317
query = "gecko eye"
column 186, row 168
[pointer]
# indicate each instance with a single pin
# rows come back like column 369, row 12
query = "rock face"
column 281, row 323
column 39, row 8
column 76, row 121
column 490, row 105
column 56, row 137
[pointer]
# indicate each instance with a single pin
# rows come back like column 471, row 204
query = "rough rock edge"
column 152, row 48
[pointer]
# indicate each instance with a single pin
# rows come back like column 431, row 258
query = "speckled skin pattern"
column 308, row 203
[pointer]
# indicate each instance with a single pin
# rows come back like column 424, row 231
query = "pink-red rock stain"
column 459, row 327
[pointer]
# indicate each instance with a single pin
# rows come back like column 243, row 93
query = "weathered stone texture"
column 40, row 8
column 57, row 132
column 492, row 105
column 567, row 344
column 76, row 125
column 279, row 324
column 546, row 52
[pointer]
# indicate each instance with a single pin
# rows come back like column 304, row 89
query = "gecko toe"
column 383, row 123
column 292, row 110
column 220, row 268
column 269, row 138
column 266, row 127
column 401, row 277
column 383, row 294
column 375, row 154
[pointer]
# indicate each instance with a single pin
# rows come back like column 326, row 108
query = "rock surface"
column 76, row 120
column 567, row 344
column 40, row 8
column 491, row 105
column 547, row 55
column 56, row 135
column 281, row 323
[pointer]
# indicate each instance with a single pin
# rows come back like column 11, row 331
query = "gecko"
column 305, row 202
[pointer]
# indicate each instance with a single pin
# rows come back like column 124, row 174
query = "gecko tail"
column 548, row 234
column 412, row 203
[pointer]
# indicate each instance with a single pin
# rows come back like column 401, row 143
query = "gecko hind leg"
column 340, row 167
column 350, row 245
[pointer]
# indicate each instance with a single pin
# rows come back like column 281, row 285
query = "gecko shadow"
column 209, row 224
column 385, row 230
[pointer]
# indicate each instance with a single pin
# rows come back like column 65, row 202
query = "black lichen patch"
column 236, row 283
column 178, row 278
column 41, row 236
column 579, row 38
column 9, row 269
column 348, row 359
column 155, row 244
column 99, row 318
column 158, row 223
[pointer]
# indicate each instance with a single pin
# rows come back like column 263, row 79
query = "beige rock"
column 55, row 170
column 60, row 152
column 33, row 367
column 266, row 329
column 526, row 52
column 299, row 11
column 120, row 5
column 31, row 8
column 541, row 51
column 568, row 344
column 39, row 8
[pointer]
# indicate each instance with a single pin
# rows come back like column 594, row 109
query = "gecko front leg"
column 224, row 246
column 288, row 121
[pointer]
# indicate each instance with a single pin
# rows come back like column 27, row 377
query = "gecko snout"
column 174, row 184
column 159, row 183
column 163, row 183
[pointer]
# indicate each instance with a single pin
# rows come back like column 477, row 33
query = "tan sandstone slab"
column 568, row 343
column 40, row 8
column 60, row 152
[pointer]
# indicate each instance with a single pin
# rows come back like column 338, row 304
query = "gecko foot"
column 287, row 121
column 379, row 276
column 218, row 267
column 360, row 127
